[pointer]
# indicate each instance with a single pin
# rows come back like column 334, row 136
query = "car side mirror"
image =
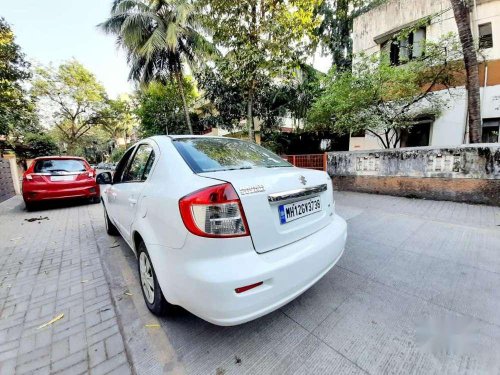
column 104, row 178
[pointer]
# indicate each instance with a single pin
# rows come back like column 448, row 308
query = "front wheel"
column 151, row 291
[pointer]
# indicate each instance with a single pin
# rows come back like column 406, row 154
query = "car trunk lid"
column 263, row 190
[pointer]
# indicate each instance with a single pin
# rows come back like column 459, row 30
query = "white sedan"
column 222, row 227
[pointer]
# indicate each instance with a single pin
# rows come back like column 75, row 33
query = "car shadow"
column 57, row 204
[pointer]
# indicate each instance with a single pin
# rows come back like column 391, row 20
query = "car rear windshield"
column 59, row 165
column 220, row 154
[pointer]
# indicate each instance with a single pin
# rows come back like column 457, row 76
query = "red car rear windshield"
column 59, row 165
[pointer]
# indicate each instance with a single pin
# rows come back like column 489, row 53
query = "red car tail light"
column 214, row 212
column 33, row 177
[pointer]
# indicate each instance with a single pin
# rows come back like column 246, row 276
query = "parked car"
column 59, row 177
column 222, row 227
column 106, row 166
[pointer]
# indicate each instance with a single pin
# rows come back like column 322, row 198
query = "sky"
column 52, row 31
column 58, row 30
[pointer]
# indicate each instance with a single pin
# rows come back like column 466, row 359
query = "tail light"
column 215, row 211
column 33, row 177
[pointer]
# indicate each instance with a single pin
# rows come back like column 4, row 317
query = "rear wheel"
column 151, row 290
column 110, row 227
column 30, row 206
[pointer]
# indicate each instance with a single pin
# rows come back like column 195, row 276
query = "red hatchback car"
column 59, row 177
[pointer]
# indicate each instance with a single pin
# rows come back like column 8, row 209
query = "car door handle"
column 132, row 201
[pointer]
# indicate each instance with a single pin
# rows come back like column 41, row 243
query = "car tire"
column 30, row 206
column 151, row 291
column 110, row 227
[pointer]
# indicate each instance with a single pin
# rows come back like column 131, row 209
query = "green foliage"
column 117, row 154
column 160, row 108
column 335, row 29
column 264, row 39
column 273, row 99
column 302, row 91
column 381, row 98
column 34, row 145
column 17, row 109
column 118, row 119
column 72, row 99
column 160, row 37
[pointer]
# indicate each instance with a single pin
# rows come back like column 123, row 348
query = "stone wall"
column 6, row 184
column 469, row 173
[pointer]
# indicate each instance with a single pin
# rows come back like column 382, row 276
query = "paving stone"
column 413, row 272
column 45, row 271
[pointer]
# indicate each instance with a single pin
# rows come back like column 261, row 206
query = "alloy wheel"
column 146, row 274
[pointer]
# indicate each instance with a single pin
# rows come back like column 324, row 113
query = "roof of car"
column 193, row 136
column 59, row 157
column 183, row 136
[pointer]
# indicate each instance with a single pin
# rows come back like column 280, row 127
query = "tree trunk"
column 184, row 103
column 461, row 9
column 342, row 54
column 251, row 130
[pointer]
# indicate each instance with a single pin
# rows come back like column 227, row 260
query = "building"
column 373, row 30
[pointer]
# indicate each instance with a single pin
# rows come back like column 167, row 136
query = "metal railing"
column 310, row 161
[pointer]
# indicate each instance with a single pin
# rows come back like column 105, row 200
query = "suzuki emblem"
column 303, row 180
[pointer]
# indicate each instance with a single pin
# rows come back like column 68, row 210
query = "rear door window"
column 139, row 168
column 60, row 166
column 122, row 165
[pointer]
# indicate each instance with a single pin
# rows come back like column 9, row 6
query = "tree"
column 383, row 99
column 17, row 109
column 160, row 109
column 117, row 154
column 33, row 145
column 273, row 100
column 302, row 91
column 335, row 29
column 72, row 99
column 160, row 37
column 264, row 39
column 118, row 119
column 461, row 10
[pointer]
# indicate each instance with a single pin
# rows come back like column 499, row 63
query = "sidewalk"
column 50, row 267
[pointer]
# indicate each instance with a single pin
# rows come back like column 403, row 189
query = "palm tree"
column 461, row 10
column 160, row 37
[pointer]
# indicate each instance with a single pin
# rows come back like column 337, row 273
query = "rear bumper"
column 34, row 194
column 206, row 287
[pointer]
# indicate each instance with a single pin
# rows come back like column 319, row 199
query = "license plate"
column 62, row 178
column 296, row 210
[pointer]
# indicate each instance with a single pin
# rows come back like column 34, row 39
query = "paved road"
column 417, row 291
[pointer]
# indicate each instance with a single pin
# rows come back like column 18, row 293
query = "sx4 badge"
column 252, row 190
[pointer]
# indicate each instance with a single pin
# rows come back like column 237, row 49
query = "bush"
column 34, row 145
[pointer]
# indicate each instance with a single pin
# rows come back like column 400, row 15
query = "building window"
column 491, row 128
column 401, row 51
column 418, row 135
column 485, row 36
column 358, row 133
